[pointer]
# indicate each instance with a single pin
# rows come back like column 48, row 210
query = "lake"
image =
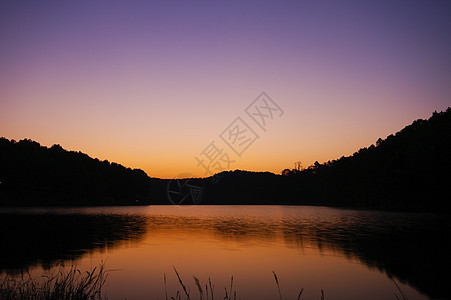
column 349, row 254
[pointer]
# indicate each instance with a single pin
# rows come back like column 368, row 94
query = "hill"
column 34, row 175
column 406, row 171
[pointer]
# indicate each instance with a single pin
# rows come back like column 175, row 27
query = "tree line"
column 409, row 170
column 32, row 174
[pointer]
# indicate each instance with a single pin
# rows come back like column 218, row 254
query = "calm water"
column 349, row 254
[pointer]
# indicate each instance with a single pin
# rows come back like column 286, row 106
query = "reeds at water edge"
column 74, row 284
column 62, row 284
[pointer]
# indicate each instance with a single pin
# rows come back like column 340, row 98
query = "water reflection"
column 46, row 239
column 410, row 247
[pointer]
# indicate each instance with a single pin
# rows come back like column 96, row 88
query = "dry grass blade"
column 277, row 282
column 181, row 283
column 231, row 286
column 403, row 295
column 211, row 288
column 300, row 294
column 201, row 293
column 165, row 287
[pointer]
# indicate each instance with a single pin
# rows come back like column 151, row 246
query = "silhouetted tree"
column 286, row 172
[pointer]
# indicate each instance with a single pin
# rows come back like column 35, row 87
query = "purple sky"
column 150, row 85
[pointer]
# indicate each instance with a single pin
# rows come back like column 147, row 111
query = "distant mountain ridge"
column 408, row 171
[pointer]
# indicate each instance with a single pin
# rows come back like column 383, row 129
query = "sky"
column 164, row 85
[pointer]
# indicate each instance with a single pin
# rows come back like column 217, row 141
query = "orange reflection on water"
column 249, row 244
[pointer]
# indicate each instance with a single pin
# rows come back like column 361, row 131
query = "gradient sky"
column 151, row 84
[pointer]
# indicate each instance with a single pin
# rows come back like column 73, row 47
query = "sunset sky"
column 151, row 84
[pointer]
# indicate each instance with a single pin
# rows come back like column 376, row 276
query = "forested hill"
column 31, row 174
column 406, row 171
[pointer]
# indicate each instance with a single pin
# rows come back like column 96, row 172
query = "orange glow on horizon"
column 152, row 86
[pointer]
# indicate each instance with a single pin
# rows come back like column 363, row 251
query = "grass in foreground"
column 74, row 284
column 230, row 293
column 65, row 284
